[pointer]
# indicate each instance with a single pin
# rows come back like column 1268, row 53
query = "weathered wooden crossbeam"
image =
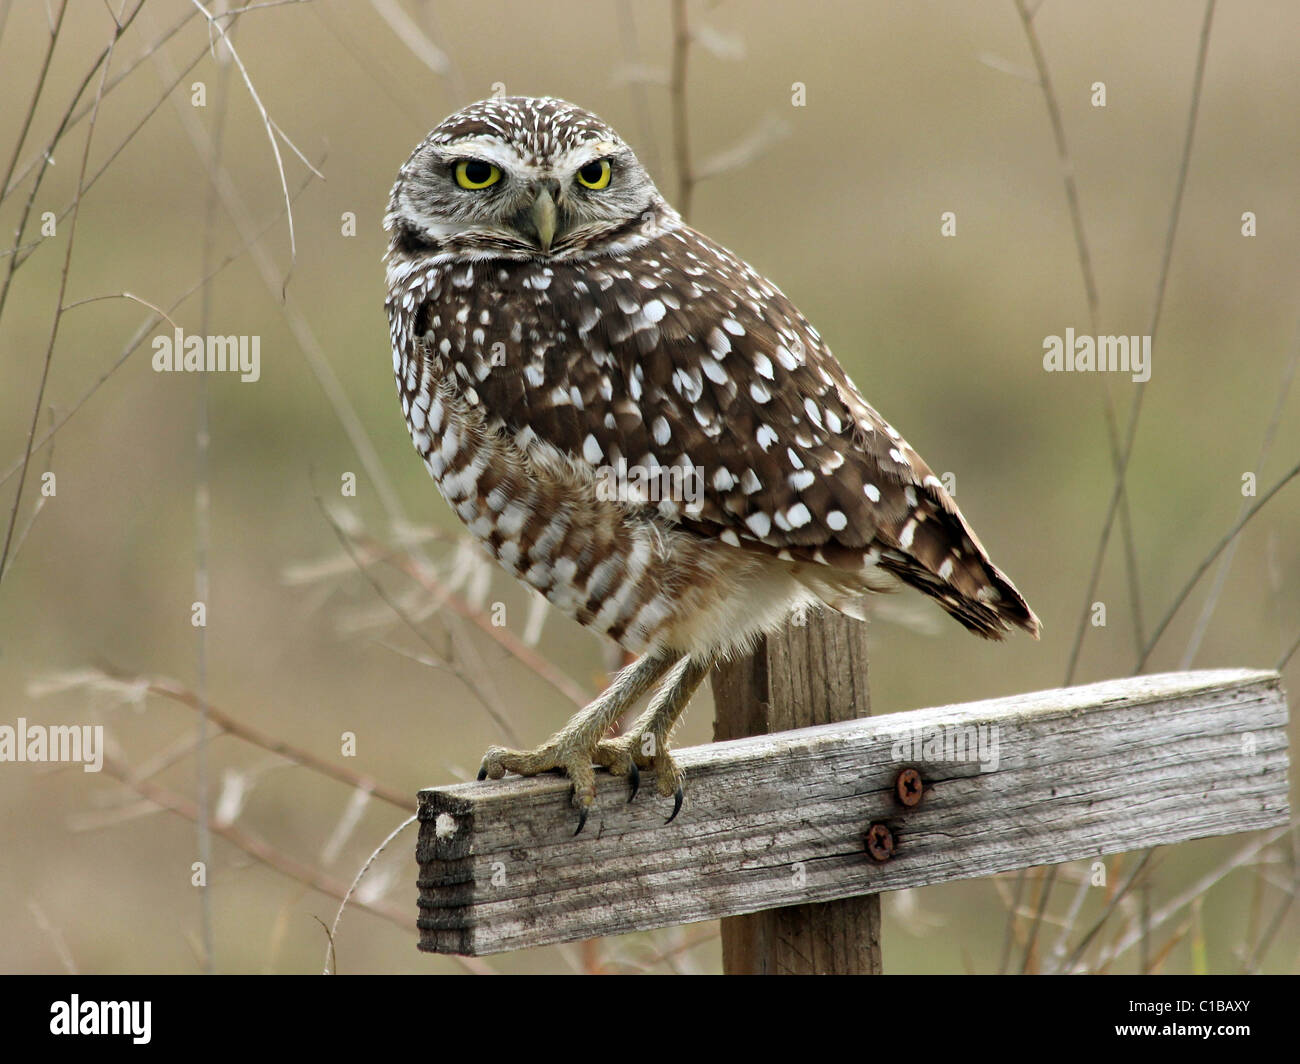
column 787, row 818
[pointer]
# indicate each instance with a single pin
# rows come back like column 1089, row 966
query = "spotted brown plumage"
column 551, row 334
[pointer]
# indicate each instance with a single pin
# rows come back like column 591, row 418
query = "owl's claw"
column 623, row 757
column 677, row 804
column 550, row 757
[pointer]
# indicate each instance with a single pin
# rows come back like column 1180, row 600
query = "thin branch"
column 1256, row 957
column 1111, row 906
column 298, row 323
column 330, row 961
column 345, row 542
column 143, row 331
column 410, row 34
column 1035, row 925
column 1135, row 412
column 374, row 67
column 518, row 649
column 36, row 95
column 1161, row 916
column 681, row 130
column 130, row 297
column 58, row 317
column 1285, row 658
column 440, row 663
column 261, row 850
column 1221, row 574
column 5, row 6
column 57, row 940
column 1207, row 562
column 769, row 131
column 42, row 158
column 27, row 250
column 40, row 503
column 1008, row 933
column 177, row 692
column 1069, row 920
column 1094, row 312
column 628, row 37
column 1063, row 155
column 76, row 116
column 203, row 530
column 266, row 121
column 46, row 158
column 1118, row 500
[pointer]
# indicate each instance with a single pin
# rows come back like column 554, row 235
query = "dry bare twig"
column 58, row 308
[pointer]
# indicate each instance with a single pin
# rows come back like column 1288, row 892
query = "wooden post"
column 815, row 816
column 815, row 673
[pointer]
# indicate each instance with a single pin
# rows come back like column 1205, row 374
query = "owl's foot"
column 560, row 753
column 571, row 750
column 645, row 745
column 581, row 742
column 638, row 749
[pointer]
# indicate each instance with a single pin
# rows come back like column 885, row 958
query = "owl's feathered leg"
column 645, row 744
column 571, row 749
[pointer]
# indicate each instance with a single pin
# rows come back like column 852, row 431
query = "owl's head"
column 523, row 177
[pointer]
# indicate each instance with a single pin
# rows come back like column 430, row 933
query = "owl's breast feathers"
column 678, row 365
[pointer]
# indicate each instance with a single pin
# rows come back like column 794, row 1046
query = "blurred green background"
column 911, row 110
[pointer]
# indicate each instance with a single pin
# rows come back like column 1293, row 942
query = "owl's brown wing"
column 681, row 357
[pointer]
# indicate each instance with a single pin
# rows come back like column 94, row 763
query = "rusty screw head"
column 908, row 787
column 880, row 842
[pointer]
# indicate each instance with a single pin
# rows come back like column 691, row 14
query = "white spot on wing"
column 714, row 371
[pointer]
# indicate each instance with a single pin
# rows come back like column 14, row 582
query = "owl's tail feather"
column 963, row 581
column 995, row 608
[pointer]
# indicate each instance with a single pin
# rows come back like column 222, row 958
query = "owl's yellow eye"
column 475, row 173
column 595, row 175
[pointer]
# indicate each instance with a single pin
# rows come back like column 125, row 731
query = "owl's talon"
column 677, row 804
column 566, row 758
column 497, row 761
column 623, row 756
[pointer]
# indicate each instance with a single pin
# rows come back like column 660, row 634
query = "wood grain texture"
column 779, row 820
column 814, row 673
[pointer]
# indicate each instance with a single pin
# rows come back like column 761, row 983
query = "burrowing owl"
column 566, row 348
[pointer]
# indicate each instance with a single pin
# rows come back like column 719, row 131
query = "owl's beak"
column 544, row 218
